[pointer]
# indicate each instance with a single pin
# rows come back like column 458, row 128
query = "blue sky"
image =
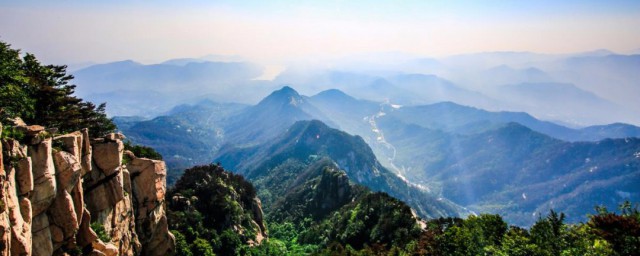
column 272, row 31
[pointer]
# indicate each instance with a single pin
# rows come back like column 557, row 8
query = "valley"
column 477, row 160
column 323, row 128
column 326, row 174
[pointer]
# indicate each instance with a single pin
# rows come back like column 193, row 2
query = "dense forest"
column 209, row 205
column 211, row 210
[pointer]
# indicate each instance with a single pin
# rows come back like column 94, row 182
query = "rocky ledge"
column 72, row 195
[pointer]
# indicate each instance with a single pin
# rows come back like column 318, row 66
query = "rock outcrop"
column 72, row 195
column 258, row 222
column 148, row 185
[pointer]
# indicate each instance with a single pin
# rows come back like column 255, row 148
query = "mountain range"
column 517, row 172
column 392, row 174
column 132, row 88
column 482, row 160
column 306, row 141
column 580, row 89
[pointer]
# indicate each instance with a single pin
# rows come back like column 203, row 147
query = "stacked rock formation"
column 71, row 195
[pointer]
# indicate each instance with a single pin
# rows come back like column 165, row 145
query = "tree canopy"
column 43, row 94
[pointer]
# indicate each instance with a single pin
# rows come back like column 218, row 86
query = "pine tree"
column 43, row 94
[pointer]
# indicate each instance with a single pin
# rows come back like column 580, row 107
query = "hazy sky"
column 68, row 31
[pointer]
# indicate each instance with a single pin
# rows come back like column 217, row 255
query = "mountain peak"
column 287, row 90
column 112, row 66
column 596, row 53
column 333, row 94
column 286, row 95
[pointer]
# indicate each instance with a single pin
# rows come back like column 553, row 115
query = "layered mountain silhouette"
column 133, row 88
column 486, row 161
column 552, row 100
column 306, row 141
column 518, row 172
column 133, row 76
column 579, row 89
column 451, row 117
column 271, row 116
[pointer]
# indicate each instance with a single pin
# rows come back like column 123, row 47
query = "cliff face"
column 72, row 194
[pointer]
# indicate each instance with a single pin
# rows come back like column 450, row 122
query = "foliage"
column 202, row 247
column 213, row 210
column 43, row 94
column 376, row 218
column 99, row 229
column 488, row 235
column 475, row 235
column 12, row 132
column 326, row 189
column 142, row 151
column 287, row 233
column 549, row 233
column 179, row 138
column 622, row 231
column 302, row 223
column 271, row 187
column 273, row 247
column 14, row 97
column 182, row 247
column 230, row 243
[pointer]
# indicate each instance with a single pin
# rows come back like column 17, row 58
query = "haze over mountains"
column 487, row 132
column 498, row 162
column 306, row 141
column 582, row 89
column 156, row 88
column 320, row 127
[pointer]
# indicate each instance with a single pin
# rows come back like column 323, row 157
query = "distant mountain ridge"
column 551, row 100
column 130, row 75
column 228, row 123
column 418, row 144
column 271, row 116
column 467, row 79
column 451, row 117
column 153, row 89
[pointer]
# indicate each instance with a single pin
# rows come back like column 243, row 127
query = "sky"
column 70, row 31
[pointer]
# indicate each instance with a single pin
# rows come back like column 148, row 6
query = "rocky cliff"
column 72, row 195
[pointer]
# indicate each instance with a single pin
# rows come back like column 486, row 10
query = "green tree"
column 202, row 247
column 230, row 243
column 182, row 246
column 43, row 94
column 460, row 240
column 142, row 151
column 14, row 98
column 285, row 232
column 581, row 241
column 549, row 233
column 622, row 231
column 271, row 247
column 216, row 206
column 516, row 242
column 490, row 226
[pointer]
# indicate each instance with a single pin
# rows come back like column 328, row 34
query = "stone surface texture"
column 54, row 191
